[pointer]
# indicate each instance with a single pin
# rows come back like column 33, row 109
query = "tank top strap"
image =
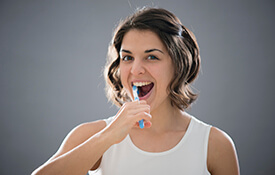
column 109, row 120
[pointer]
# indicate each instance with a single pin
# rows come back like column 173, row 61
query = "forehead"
column 135, row 40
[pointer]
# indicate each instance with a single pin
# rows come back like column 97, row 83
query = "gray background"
column 52, row 53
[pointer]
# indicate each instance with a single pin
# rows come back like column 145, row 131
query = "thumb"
column 147, row 124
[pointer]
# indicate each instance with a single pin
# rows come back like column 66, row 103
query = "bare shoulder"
column 222, row 157
column 83, row 131
column 79, row 135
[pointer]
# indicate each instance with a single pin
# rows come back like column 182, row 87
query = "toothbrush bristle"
column 135, row 92
column 136, row 98
column 135, row 89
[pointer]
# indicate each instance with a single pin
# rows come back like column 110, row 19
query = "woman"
column 153, row 51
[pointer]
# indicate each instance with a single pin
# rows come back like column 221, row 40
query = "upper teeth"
column 141, row 83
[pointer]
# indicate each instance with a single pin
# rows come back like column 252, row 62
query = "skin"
column 143, row 56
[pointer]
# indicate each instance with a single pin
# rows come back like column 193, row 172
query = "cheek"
column 123, row 75
column 165, row 75
column 165, row 78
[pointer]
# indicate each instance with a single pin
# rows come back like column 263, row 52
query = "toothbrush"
column 136, row 92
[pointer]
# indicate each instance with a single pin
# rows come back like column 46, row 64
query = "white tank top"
column 188, row 157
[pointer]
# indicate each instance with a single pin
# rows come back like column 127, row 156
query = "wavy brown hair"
column 180, row 43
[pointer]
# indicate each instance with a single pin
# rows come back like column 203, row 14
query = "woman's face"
column 145, row 62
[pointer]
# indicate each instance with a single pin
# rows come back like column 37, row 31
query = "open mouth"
column 144, row 88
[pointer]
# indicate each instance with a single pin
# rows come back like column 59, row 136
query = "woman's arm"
column 222, row 157
column 80, row 150
column 84, row 146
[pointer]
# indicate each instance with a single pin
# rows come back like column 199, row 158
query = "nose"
column 137, row 68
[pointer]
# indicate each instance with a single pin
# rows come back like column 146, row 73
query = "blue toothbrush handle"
column 141, row 124
column 136, row 92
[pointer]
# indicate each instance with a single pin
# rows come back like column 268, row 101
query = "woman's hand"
column 127, row 118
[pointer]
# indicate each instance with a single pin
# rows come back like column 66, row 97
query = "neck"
column 165, row 118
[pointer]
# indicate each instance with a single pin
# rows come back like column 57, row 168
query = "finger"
column 147, row 124
column 134, row 104
column 137, row 124
column 142, row 102
column 143, row 115
column 142, row 109
column 139, row 102
column 134, row 107
column 138, row 108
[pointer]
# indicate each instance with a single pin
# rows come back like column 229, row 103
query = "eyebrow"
column 126, row 51
column 146, row 51
column 152, row 50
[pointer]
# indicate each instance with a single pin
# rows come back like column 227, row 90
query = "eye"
column 127, row 58
column 152, row 57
